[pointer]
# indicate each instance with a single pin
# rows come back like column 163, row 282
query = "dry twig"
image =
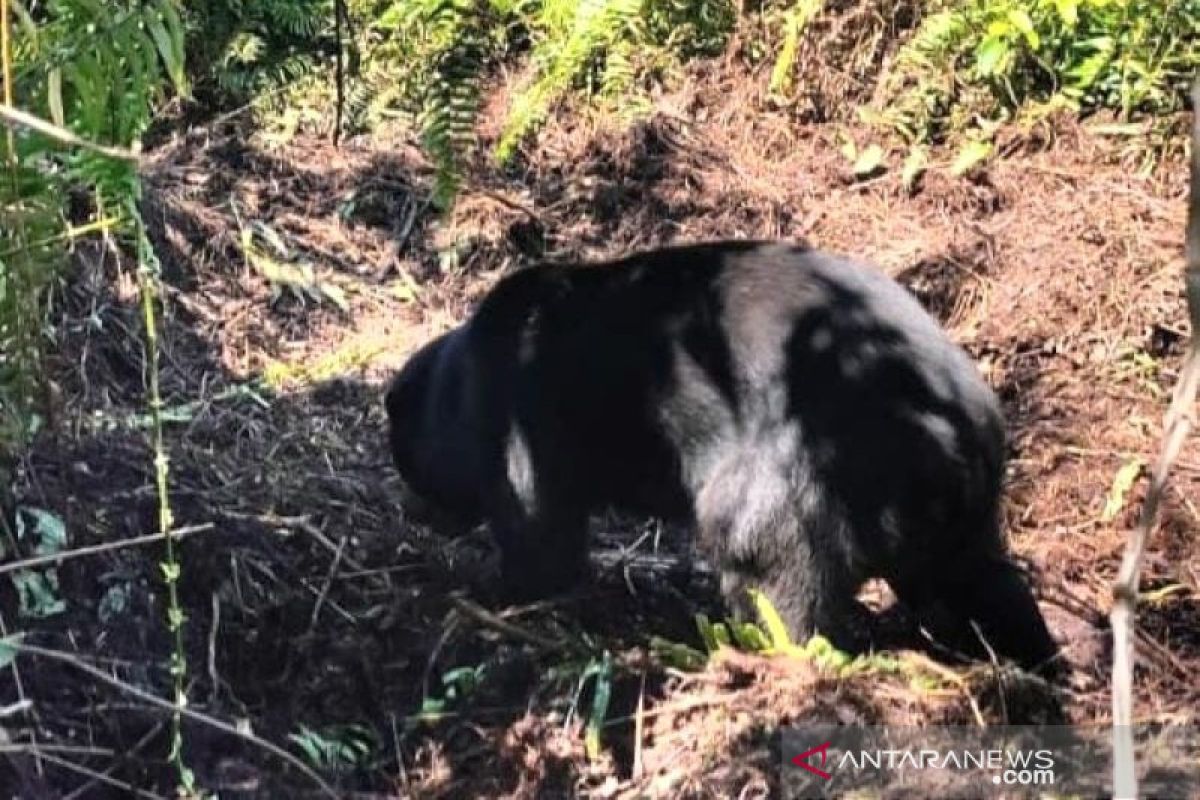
column 15, row 118
column 165, row 705
column 104, row 547
column 1177, row 425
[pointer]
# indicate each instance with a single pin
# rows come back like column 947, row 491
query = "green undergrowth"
column 967, row 68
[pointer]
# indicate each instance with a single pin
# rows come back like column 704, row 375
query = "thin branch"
column 83, row 789
column 482, row 615
column 100, row 777
column 339, row 13
column 326, row 585
column 23, row 702
column 15, row 118
column 172, row 708
column 1176, row 426
column 70, row 234
column 6, row 72
column 54, row 558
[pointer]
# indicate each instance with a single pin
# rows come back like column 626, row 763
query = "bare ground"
column 312, row 602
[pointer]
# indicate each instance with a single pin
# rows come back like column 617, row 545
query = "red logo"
column 802, row 760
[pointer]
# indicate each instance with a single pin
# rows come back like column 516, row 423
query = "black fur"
column 801, row 410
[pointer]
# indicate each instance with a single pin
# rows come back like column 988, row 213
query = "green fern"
column 452, row 32
column 979, row 59
column 96, row 69
column 247, row 48
column 425, row 60
column 795, row 21
column 595, row 24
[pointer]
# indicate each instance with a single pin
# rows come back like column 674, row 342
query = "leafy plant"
column 796, row 20
column 94, row 69
column 267, row 253
column 427, row 60
column 337, row 747
column 567, row 45
column 37, row 590
column 768, row 636
column 457, row 684
column 97, row 70
column 244, row 47
column 600, row 672
column 977, row 59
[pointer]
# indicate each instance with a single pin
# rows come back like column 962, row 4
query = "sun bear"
column 802, row 411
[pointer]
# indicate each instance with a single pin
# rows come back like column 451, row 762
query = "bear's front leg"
column 543, row 550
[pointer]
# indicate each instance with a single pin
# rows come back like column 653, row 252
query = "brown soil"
column 312, row 602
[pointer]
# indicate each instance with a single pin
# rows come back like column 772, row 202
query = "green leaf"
column 750, row 637
column 37, row 593
column 601, row 694
column 336, row 295
column 990, row 55
column 9, row 647
column 822, row 653
column 1021, row 20
column 432, row 706
column 795, row 23
column 676, row 655
column 777, row 631
column 1068, row 11
column 49, row 531
column 54, row 97
column 1122, row 484
column 707, row 633
column 311, row 744
column 970, row 156
column 869, row 161
column 166, row 50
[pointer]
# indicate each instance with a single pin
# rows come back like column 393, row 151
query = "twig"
column 482, row 615
column 339, row 12
column 997, row 672
column 14, row 118
column 691, row 704
column 137, row 748
column 515, row 205
column 64, row 749
column 639, row 729
column 71, row 233
column 6, row 73
column 449, row 626
column 301, row 522
column 12, row 709
column 213, row 630
column 1176, row 426
column 329, row 575
column 172, row 708
column 23, row 701
column 54, row 558
column 101, row 777
column 953, row 677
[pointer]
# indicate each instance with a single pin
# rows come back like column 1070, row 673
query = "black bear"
column 802, row 411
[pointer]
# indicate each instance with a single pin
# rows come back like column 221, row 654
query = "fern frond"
column 796, row 21
column 452, row 98
column 595, row 24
